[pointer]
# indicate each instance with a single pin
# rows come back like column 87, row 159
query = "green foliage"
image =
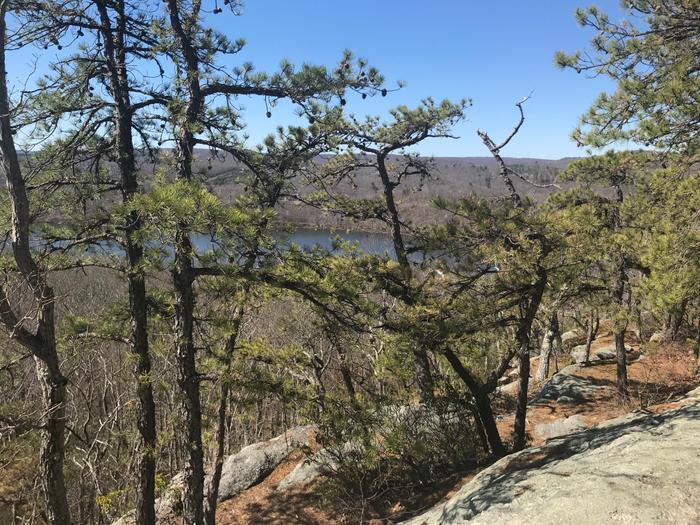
column 385, row 453
column 610, row 169
column 108, row 502
column 649, row 55
column 666, row 215
column 333, row 335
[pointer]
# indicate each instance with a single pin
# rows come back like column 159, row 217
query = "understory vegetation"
column 131, row 355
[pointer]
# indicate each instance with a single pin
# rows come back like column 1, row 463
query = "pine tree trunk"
column 676, row 319
column 557, row 343
column 488, row 420
column 593, row 325
column 188, row 381
column 423, row 375
column 482, row 402
column 421, row 360
column 347, row 381
column 183, row 277
column 52, row 449
column 214, row 479
column 42, row 344
column 528, row 311
column 114, row 39
column 531, row 302
column 146, row 422
column 621, row 359
column 641, row 329
column 619, row 333
column 546, row 349
column 696, row 349
column 481, row 432
column 521, row 402
column 619, row 298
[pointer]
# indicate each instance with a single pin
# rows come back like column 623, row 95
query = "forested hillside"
column 167, row 356
column 448, row 177
column 227, row 178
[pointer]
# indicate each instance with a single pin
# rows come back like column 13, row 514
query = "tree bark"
column 521, row 402
column 183, row 282
column 42, row 344
column 424, row 376
column 482, row 402
column 546, row 349
column 52, row 449
column 619, row 333
column 146, row 423
column 676, row 319
column 591, row 332
column 528, row 311
column 641, row 328
column 557, row 344
column 188, row 382
column 619, row 299
column 531, row 301
column 523, row 383
column 481, row 432
column 421, row 360
column 347, row 376
column 212, row 485
column 215, row 477
column 113, row 36
column 696, row 349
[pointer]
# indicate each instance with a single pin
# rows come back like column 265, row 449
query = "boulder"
column 657, row 337
column 571, row 389
column 319, row 464
column 610, row 349
column 168, row 507
column 605, row 355
column 649, row 325
column 240, row 471
column 510, row 388
column 513, row 373
column 579, row 354
column 560, row 427
column 639, row 469
column 254, row 462
column 504, row 379
column 602, row 353
column 572, row 338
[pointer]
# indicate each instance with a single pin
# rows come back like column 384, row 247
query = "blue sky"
column 493, row 52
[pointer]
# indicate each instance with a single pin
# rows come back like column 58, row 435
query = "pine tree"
column 617, row 172
column 93, row 107
column 38, row 337
column 653, row 57
column 195, row 120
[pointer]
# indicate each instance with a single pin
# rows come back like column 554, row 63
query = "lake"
column 307, row 238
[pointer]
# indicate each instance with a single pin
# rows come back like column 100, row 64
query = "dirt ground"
column 655, row 381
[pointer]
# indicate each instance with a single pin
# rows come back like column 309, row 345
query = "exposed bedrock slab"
column 637, row 469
